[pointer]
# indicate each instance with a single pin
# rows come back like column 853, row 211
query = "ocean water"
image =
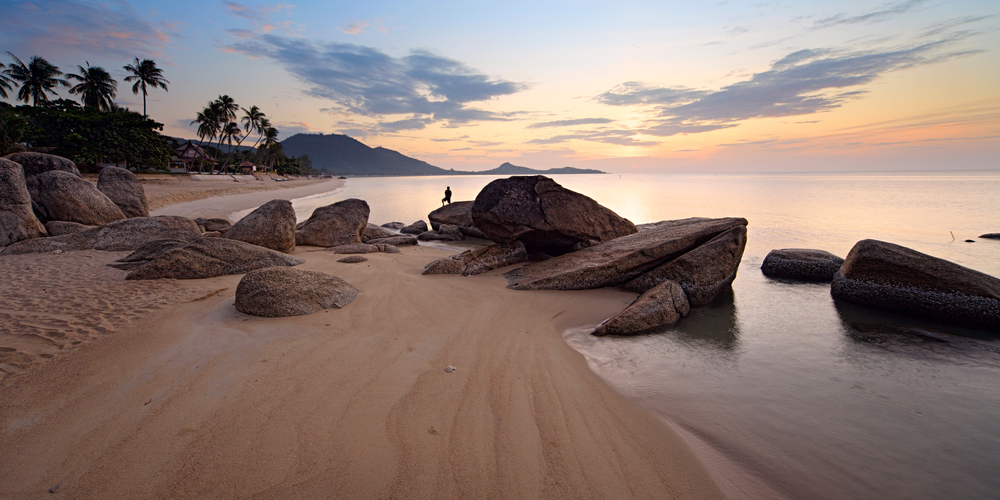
column 776, row 381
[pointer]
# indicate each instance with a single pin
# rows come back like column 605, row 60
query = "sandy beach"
column 124, row 389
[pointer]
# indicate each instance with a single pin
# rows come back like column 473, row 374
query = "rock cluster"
column 38, row 163
column 884, row 275
column 801, row 264
column 282, row 291
column 125, row 234
column 545, row 216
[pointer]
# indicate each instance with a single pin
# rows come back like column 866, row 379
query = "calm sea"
column 776, row 382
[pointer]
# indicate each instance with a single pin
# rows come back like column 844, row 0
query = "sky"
column 626, row 86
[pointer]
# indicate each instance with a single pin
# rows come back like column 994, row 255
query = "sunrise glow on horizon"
column 629, row 86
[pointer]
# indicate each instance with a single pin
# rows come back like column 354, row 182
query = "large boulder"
column 39, row 163
column 125, row 234
column 415, row 228
column 662, row 305
column 209, row 257
column 801, row 264
column 64, row 196
column 544, row 215
column 703, row 272
column 990, row 236
column 621, row 260
column 888, row 276
column 456, row 214
column 373, row 232
column 17, row 220
column 283, row 291
column 125, row 190
column 271, row 225
column 480, row 260
column 337, row 224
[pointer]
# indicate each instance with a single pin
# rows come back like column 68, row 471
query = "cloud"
column 887, row 12
column 366, row 81
column 569, row 123
column 801, row 83
column 359, row 27
column 616, row 137
column 81, row 28
column 259, row 13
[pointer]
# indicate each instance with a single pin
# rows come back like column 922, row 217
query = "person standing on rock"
column 447, row 196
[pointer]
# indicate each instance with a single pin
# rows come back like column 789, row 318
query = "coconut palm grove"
column 94, row 131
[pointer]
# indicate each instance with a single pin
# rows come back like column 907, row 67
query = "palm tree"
column 262, row 127
column 208, row 124
column 229, row 131
column 37, row 78
column 145, row 74
column 5, row 81
column 271, row 145
column 96, row 87
column 251, row 123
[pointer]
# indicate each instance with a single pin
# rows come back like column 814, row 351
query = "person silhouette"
column 447, row 196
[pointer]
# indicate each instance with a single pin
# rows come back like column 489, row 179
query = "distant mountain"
column 341, row 155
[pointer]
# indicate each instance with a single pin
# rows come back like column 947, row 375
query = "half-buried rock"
column 209, row 257
column 480, row 260
column 888, row 276
column 271, row 225
column 801, row 264
column 338, row 224
column 282, row 291
column 662, row 305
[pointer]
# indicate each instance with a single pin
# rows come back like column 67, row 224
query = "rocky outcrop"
column 17, row 220
column 415, row 228
column 446, row 232
column 458, row 213
column 480, row 260
column 888, row 276
column 337, row 224
column 39, row 163
column 545, row 216
column 209, row 257
column 662, row 305
column 801, row 264
column 373, row 232
column 990, row 236
column 216, row 224
column 624, row 259
column 124, row 189
column 283, row 291
column 61, row 227
column 271, row 225
column 703, row 272
column 68, row 197
column 125, row 234
column 398, row 240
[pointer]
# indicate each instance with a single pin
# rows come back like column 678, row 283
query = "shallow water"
column 817, row 398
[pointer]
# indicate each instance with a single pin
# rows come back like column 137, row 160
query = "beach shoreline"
column 162, row 389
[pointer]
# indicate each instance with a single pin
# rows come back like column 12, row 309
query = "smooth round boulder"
column 39, row 163
column 67, row 197
column 458, row 213
column 373, row 232
column 282, row 291
column 271, row 225
column 337, row 224
column 801, row 264
column 415, row 228
column 125, row 189
column 17, row 219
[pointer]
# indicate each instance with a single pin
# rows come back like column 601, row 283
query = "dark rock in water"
column 337, row 224
column 889, row 276
column 220, row 225
column 283, row 291
column 544, row 215
column 970, row 241
column 39, row 163
column 801, row 264
column 662, row 305
column 125, row 234
column 990, row 236
column 373, row 232
column 623, row 259
column 354, row 248
column 436, row 236
column 415, row 228
column 703, row 272
column 398, row 240
column 17, row 219
column 64, row 196
column 61, row 227
column 210, row 257
column 125, row 190
column 480, row 260
column 353, row 259
column 458, row 213
column 394, row 225
column 271, row 225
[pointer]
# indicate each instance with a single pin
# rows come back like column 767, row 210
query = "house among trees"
column 247, row 168
column 187, row 155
